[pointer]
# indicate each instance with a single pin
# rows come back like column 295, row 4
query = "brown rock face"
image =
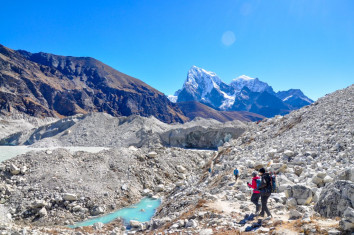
column 43, row 84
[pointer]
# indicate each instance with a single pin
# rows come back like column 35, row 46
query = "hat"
column 262, row 170
column 254, row 174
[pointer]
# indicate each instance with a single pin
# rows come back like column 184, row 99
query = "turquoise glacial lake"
column 142, row 212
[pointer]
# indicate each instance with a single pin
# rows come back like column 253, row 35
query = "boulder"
column 191, row 223
column 77, row 208
column 159, row 188
column 272, row 152
column 301, row 193
column 42, row 212
column 98, row 226
column 327, row 179
column 347, row 222
column 69, row 197
column 134, row 223
column 152, row 154
column 14, row 169
column 298, row 170
column 291, row 202
column 97, row 210
column 347, row 174
column 23, row 169
column 289, row 153
column 38, row 204
column 335, row 198
column 321, row 175
column 181, row 169
column 318, row 181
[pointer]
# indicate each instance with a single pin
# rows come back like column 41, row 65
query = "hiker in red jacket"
column 256, row 194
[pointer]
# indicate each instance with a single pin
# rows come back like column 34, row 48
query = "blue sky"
column 306, row 44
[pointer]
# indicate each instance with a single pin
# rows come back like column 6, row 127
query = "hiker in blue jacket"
column 236, row 172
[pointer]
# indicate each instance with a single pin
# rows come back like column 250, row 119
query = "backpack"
column 273, row 182
column 265, row 185
column 258, row 181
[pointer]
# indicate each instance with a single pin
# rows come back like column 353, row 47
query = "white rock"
column 327, row 179
column 42, row 212
column 23, row 169
column 159, row 188
column 14, row 169
column 69, row 197
column 181, row 169
column 207, row 231
column 272, row 152
column 133, row 148
column 98, row 226
column 191, row 223
column 289, row 153
column 39, row 204
column 152, row 154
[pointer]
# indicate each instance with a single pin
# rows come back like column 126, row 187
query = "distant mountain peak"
column 244, row 78
column 244, row 93
column 197, row 76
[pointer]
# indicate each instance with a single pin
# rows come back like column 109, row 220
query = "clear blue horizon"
column 299, row 44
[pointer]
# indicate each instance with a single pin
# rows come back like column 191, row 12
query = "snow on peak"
column 199, row 78
column 243, row 77
column 172, row 98
column 251, row 83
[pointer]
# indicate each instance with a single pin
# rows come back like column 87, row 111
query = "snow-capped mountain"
column 242, row 94
column 254, row 84
column 294, row 97
column 205, row 87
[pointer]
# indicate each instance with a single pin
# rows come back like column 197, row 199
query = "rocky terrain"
column 103, row 130
column 310, row 149
column 15, row 121
column 47, row 85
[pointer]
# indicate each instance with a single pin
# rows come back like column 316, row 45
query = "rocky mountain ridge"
column 47, row 85
column 104, row 130
column 242, row 94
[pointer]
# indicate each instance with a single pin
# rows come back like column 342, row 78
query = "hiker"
column 265, row 189
column 236, row 172
column 256, row 194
